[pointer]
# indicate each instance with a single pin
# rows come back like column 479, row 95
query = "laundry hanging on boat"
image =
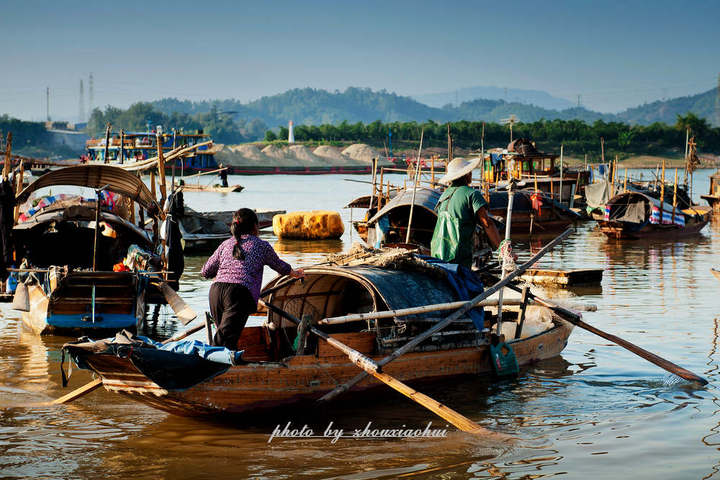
column 667, row 217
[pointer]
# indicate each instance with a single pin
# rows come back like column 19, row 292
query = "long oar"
column 448, row 320
column 94, row 384
column 183, row 311
column 368, row 365
column 576, row 319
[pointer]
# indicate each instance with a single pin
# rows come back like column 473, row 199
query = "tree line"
column 222, row 127
column 578, row 137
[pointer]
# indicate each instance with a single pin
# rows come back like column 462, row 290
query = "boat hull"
column 628, row 231
column 70, row 313
column 254, row 388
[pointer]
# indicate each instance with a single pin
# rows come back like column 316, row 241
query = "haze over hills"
column 315, row 106
column 515, row 95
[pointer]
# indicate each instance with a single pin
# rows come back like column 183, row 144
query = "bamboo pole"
column 662, row 192
column 440, row 307
column 448, row 320
column 675, row 195
column 161, row 169
column 380, row 188
column 206, row 173
column 18, row 188
column 561, row 171
column 107, row 143
column 8, row 159
column 625, row 182
column 417, row 176
column 374, row 178
column 122, row 146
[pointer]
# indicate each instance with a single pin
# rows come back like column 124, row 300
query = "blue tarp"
column 465, row 283
column 196, row 347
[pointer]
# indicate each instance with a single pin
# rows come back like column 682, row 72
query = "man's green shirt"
column 462, row 203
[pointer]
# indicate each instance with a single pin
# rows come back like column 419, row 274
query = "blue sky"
column 614, row 54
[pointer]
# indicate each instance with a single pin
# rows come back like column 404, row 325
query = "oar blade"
column 182, row 310
column 79, row 392
column 460, row 421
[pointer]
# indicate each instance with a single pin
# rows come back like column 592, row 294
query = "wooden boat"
column 196, row 187
column 204, row 231
column 69, row 288
column 130, row 149
column 636, row 215
column 533, row 214
column 713, row 196
column 279, row 376
column 563, row 184
column 564, row 278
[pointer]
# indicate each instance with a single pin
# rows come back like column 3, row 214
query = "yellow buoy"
column 314, row 225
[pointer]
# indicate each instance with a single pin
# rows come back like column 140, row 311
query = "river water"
column 597, row 411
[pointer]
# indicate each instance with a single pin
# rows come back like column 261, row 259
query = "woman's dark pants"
column 230, row 306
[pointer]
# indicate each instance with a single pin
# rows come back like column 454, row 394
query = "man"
column 223, row 175
column 460, row 209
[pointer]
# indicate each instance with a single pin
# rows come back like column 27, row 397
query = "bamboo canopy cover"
column 95, row 176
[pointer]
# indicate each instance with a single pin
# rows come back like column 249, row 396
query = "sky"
column 615, row 54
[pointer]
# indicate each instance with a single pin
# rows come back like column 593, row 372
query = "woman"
column 237, row 269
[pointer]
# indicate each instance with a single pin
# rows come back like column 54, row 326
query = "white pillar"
column 291, row 133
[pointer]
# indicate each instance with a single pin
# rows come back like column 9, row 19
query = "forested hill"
column 311, row 106
column 666, row 111
column 314, row 107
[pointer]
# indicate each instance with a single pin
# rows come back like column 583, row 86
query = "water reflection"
column 597, row 411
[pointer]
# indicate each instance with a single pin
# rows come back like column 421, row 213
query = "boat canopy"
column 95, row 176
column 335, row 291
column 425, row 198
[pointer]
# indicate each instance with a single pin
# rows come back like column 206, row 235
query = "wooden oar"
column 448, row 320
column 78, row 392
column 576, row 319
column 368, row 365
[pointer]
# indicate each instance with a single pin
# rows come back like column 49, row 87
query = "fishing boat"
column 85, row 260
column 526, row 162
column 283, row 366
column 713, row 195
column 196, row 187
column 203, row 231
column 534, row 213
column 635, row 214
column 129, row 148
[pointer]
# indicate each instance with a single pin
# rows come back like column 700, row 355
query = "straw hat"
column 458, row 168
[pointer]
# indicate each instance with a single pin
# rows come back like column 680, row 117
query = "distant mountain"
column 311, row 106
column 314, row 107
column 511, row 95
column 497, row 110
column 666, row 111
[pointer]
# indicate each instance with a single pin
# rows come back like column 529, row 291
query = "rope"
column 505, row 255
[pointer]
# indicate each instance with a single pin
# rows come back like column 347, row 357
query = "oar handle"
column 576, row 319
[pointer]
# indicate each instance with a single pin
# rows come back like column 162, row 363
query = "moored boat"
column 84, row 261
column 286, row 367
column 637, row 215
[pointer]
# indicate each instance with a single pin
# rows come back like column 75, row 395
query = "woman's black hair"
column 244, row 222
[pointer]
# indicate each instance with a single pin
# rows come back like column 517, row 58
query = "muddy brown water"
column 597, row 411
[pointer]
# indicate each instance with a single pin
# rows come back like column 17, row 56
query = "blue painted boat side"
column 116, row 321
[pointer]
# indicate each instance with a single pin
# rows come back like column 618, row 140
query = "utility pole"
column 91, row 92
column 47, row 103
column 81, row 106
